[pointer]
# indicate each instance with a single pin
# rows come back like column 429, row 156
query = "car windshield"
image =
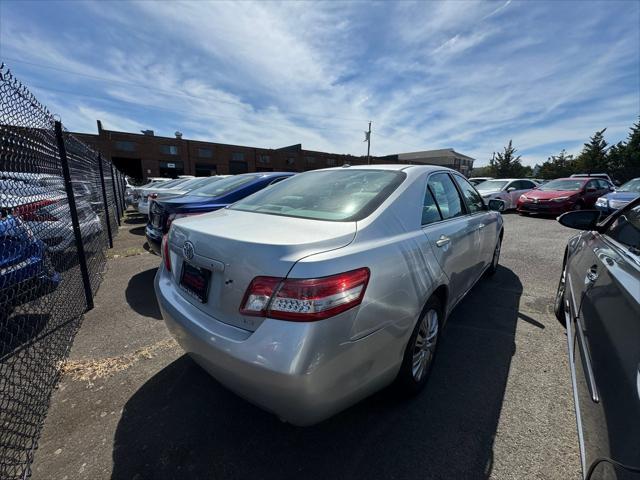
column 492, row 185
column 631, row 186
column 573, row 185
column 224, row 186
column 336, row 195
column 194, row 183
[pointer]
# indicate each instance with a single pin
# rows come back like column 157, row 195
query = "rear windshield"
column 574, row 185
column 224, row 186
column 337, row 195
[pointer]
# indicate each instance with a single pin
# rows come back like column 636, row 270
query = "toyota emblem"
column 188, row 250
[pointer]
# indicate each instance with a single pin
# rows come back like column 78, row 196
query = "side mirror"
column 497, row 205
column 511, row 189
column 580, row 219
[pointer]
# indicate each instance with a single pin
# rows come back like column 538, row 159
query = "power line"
column 166, row 92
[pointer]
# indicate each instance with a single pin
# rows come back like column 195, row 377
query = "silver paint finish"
column 306, row 371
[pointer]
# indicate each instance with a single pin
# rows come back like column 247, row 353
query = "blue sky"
column 468, row 75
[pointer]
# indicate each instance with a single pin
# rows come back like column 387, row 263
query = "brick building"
column 147, row 155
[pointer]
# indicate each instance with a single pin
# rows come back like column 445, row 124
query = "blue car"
column 213, row 196
column 609, row 203
column 25, row 273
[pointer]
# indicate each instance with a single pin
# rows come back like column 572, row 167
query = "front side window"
column 592, row 184
column 446, row 195
column 334, row 195
column 472, row 199
column 626, row 229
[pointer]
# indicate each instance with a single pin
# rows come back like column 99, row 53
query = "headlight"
column 602, row 202
column 524, row 198
column 560, row 199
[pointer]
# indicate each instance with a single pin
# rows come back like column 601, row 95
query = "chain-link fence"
column 60, row 205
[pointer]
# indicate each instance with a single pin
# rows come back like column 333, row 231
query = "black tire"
column 407, row 381
column 578, row 206
column 495, row 260
column 558, row 303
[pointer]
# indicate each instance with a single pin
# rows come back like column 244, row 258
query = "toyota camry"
column 313, row 293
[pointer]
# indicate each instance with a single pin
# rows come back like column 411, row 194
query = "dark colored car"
column 212, row 196
column 598, row 300
column 563, row 194
column 25, row 273
column 611, row 202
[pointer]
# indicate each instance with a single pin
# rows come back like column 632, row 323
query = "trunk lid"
column 235, row 247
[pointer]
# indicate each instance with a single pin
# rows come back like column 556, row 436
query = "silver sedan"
column 312, row 294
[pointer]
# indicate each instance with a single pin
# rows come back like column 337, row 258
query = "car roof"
column 393, row 166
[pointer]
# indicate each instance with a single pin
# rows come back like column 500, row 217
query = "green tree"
column 486, row 171
column 593, row 158
column 558, row 166
column 630, row 156
column 507, row 164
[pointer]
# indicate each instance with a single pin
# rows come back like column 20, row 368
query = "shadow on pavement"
column 135, row 219
column 141, row 296
column 183, row 424
column 138, row 230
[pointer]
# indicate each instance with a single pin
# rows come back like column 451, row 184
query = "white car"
column 505, row 189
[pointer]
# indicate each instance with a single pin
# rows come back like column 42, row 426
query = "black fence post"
column 82, row 259
column 123, row 206
column 115, row 194
column 105, row 201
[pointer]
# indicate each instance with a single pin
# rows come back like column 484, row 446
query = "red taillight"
column 165, row 253
column 30, row 212
column 305, row 300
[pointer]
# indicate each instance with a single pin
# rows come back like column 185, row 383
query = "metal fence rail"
column 60, row 205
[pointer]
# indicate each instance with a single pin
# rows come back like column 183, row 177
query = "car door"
column 452, row 233
column 485, row 222
column 605, row 283
column 520, row 187
column 590, row 195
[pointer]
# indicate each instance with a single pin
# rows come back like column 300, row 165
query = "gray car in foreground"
column 598, row 301
column 315, row 292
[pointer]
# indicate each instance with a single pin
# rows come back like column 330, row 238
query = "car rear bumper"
column 301, row 371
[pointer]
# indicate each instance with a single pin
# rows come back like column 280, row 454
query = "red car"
column 563, row 194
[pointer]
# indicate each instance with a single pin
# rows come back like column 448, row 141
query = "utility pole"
column 367, row 138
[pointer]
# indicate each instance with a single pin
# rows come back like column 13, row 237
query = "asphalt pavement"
column 498, row 405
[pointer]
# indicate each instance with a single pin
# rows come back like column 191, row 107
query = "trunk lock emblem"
column 188, row 250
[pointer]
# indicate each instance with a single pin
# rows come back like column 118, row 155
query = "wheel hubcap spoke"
column 425, row 344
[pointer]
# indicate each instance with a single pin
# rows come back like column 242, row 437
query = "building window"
column 238, row 157
column 169, row 149
column 205, row 153
column 332, row 162
column 264, row 159
column 291, row 161
column 204, row 170
column 310, row 160
column 126, row 146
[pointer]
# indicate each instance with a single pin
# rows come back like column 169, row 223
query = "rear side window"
column 446, row 195
column 472, row 199
column 626, row 229
column 430, row 212
column 336, row 195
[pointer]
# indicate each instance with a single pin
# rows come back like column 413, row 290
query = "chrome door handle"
column 442, row 241
column 481, row 226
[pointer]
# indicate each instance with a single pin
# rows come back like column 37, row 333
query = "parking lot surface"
column 498, row 405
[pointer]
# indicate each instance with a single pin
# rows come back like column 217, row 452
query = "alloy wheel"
column 425, row 345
